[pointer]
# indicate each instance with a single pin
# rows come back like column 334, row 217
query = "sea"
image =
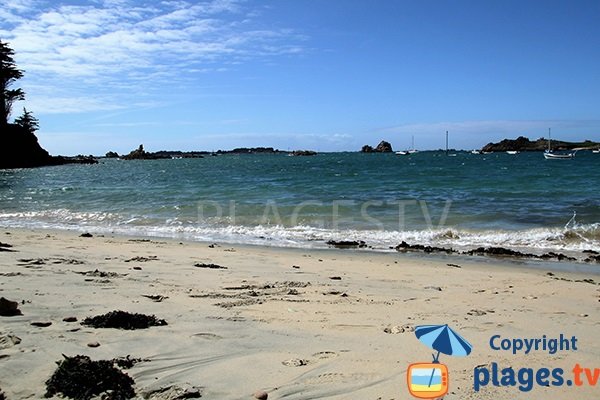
column 461, row 201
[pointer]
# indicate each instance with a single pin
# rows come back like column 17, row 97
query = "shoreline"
column 568, row 266
column 297, row 323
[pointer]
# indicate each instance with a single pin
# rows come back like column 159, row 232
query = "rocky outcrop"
column 19, row 148
column 141, row 154
column 524, row 144
column 382, row 147
column 112, row 154
column 303, row 153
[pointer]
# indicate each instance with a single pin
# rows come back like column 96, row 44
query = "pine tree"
column 9, row 73
column 28, row 122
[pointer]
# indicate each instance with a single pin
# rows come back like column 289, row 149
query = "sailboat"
column 407, row 152
column 549, row 155
column 448, row 154
column 412, row 150
column 597, row 151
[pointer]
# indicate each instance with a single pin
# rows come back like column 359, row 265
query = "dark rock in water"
column 499, row 251
column 70, row 319
column 558, row 256
column 112, row 154
column 86, row 235
column 419, row 247
column 141, row 154
column 382, row 147
column 209, row 266
column 81, row 378
column 345, row 244
column 592, row 259
column 123, row 320
column 9, row 308
column 591, row 252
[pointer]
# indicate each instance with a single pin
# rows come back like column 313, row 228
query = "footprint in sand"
column 323, row 355
column 300, row 362
column 208, row 336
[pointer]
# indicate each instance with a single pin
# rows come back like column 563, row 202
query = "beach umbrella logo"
column 431, row 380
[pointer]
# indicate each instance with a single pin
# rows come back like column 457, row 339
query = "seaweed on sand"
column 81, row 378
column 123, row 320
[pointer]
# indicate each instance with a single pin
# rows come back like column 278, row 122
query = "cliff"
column 20, row 149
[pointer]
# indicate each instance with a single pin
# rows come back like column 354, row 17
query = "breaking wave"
column 573, row 237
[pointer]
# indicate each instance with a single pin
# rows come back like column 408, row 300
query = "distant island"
column 524, row 144
column 141, row 154
column 19, row 145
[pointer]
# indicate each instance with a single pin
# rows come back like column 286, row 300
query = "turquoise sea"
column 466, row 201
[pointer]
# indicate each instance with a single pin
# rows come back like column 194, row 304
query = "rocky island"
column 524, row 144
column 382, row 147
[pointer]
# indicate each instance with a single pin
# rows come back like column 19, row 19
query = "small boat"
column 402, row 153
column 550, row 155
column 512, row 152
column 597, row 151
column 475, row 152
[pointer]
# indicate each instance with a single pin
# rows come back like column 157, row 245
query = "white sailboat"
column 413, row 150
column 448, row 154
column 407, row 152
column 597, row 151
column 550, row 155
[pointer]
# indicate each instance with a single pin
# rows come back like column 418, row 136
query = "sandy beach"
column 296, row 323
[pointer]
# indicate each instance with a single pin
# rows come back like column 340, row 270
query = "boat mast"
column 446, row 142
column 549, row 140
column 413, row 142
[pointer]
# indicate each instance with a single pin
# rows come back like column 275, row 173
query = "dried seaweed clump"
column 81, row 378
column 123, row 320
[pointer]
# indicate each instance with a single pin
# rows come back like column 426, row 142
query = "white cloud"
column 115, row 44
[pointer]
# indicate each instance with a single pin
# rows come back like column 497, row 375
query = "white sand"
column 252, row 326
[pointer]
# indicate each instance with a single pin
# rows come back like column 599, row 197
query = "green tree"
column 28, row 121
column 9, row 73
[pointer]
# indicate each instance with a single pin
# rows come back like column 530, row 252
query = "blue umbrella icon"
column 443, row 339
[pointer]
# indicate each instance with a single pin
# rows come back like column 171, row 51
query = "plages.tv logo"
column 430, row 380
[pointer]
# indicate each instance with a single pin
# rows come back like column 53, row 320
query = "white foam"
column 575, row 238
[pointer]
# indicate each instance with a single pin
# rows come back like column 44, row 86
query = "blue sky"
column 326, row 75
